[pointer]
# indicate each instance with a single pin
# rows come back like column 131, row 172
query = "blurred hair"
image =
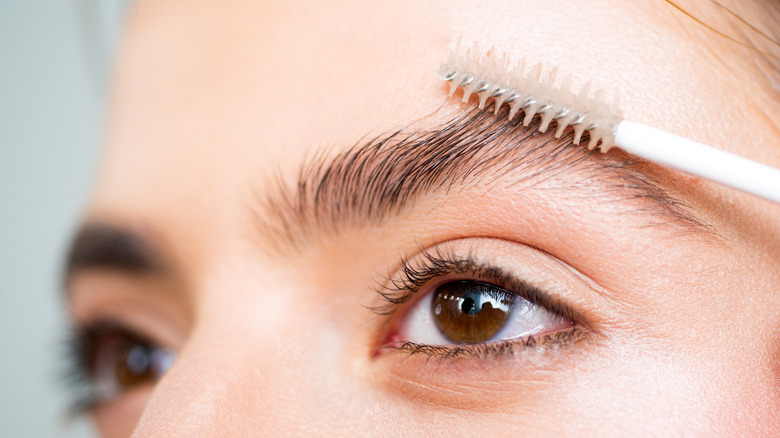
column 749, row 27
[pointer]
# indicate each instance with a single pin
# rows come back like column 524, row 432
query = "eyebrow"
column 110, row 247
column 382, row 177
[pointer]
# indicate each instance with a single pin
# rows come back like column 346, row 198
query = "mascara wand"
column 534, row 91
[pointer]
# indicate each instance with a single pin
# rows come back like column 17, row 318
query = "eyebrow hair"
column 374, row 180
column 104, row 246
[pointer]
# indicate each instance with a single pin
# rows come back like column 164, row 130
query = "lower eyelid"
column 479, row 379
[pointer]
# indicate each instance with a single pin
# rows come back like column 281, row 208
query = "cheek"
column 666, row 390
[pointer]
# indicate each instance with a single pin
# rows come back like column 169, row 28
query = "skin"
column 210, row 98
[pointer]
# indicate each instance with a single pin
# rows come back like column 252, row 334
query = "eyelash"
column 77, row 373
column 412, row 277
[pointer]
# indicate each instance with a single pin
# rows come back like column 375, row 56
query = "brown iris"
column 470, row 312
column 127, row 362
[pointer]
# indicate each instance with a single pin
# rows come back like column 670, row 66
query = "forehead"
column 210, row 97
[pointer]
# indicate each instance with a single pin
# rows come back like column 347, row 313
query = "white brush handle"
column 698, row 159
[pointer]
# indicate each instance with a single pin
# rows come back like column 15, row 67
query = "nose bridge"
column 234, row 366
column 251, row 368
column 217, row 384
column 263, row 358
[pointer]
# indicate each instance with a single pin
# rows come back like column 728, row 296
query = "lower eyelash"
column 495, row 349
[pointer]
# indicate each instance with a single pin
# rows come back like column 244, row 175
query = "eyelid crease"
column 382, row 177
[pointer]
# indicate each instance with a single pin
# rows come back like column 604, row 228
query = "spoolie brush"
column 537, row 91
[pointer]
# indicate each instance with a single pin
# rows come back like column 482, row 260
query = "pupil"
column 469, row 305
column 138, row 359
column 470, row 312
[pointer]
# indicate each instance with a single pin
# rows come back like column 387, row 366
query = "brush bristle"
column 535, row 91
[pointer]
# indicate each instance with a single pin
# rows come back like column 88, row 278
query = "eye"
column 475, row 312
column 109, row 360
column 478, row 297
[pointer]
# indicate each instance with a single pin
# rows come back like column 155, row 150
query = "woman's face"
column 254, row 200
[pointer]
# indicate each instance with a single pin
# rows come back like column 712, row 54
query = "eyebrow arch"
column 380, row 178
column 104, row 246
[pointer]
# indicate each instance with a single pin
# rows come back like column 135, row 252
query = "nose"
column 250, row 376
column 220, row 385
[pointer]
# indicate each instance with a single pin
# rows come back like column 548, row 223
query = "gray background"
column 53, row 59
